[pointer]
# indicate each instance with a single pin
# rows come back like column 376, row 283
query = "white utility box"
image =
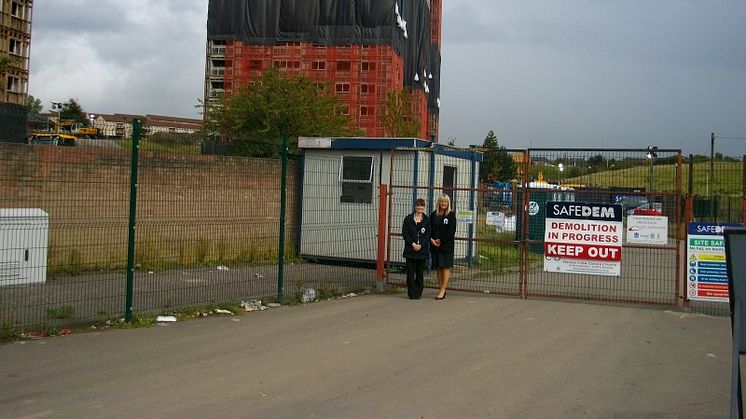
column 24, row 238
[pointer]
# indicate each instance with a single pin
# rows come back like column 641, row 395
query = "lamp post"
column 651, row 155
column 711, row 175
column 57, row 106
column 561, row 169
column 92, row 119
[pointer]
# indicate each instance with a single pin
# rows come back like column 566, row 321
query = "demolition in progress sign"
column 583, row 238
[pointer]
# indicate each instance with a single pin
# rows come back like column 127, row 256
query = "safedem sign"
column 707, row 276
column 583, row 238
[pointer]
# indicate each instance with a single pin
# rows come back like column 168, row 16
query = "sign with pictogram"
column 583, row 238
column 707, row 276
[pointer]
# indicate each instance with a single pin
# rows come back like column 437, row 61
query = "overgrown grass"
column 146, row 145
column 61, row 313
column 499, row 252
column 727, row 178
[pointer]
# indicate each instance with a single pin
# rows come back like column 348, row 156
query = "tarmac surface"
column 385, row 356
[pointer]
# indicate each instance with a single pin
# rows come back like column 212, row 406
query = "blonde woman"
column 443, row 233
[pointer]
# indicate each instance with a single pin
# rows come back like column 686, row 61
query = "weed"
column 60, row 313
column 71, row 266
column 8, row 332
column 327, row 294
column 203, row 251
column 294, row 298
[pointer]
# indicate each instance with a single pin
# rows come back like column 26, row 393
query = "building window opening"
column 356, row 175
column 368, row 66
column 366, row 111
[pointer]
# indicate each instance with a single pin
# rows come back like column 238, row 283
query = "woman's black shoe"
column 441, row 298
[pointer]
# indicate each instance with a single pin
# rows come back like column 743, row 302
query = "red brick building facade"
column 361, row 74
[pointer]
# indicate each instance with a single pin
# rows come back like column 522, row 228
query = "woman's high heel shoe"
column 441, row 298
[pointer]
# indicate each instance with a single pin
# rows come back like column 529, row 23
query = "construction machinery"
column 76, row 129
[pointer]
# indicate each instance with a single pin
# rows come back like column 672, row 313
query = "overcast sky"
column 540, row 73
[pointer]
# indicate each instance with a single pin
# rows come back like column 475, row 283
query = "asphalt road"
column 384, row 356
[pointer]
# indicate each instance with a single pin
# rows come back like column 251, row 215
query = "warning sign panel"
column 707, row 276
column 583, row 238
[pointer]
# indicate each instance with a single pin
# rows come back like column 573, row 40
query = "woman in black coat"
column 416, row 233
column 443, row 226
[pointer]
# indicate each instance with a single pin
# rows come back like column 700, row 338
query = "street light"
column 57, row 106
column 651, row 155
column 561, row 169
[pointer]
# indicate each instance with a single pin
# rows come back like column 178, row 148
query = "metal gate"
column 502, row 223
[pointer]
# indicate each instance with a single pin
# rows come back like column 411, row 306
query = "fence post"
column 524, row 223
column 470, row 253
column 743, row 193
column 281, row 249
column 381, row 257
column 134, row 161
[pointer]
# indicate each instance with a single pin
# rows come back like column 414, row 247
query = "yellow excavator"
column 77, row 130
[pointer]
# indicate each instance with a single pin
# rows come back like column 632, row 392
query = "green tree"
column 33, row 105
column 398, row 118
column 4, row 64
column 596, row 160
column 258, row 116
column 71, row 110
column 496, row 162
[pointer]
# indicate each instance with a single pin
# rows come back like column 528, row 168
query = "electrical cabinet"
column 24, row 239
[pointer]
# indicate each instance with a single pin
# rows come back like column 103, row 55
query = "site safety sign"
column 583, row 238
column 707, row 275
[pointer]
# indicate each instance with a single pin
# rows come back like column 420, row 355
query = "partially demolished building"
column 364, row 49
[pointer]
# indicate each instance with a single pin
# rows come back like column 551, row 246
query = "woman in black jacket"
column 416, row 233
column 443, row 226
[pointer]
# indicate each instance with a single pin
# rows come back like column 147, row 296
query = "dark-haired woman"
column 416, row 233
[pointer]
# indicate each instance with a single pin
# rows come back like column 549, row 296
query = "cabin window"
column 356, row 176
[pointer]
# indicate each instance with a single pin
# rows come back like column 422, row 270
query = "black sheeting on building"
column 336, row 22
column 13, row 121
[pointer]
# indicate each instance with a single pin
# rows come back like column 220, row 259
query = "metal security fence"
column 642, row 182
column 501, row 233
column 716, row 193
column 717, row 188
column 79, row 247
column 82, row 242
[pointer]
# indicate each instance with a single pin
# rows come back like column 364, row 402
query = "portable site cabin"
column 341, row 183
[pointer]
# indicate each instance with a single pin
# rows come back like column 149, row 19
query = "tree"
column 258, row 116
column 596, row 162
column 398, row 118
column 4, row 64
column 33, row 105
column 490, row 140
column 71, row 110
column 497, row 162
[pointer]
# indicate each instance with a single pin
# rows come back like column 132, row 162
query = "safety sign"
column 583, row 238
column 707, row 276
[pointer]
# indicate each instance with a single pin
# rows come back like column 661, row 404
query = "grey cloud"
column 59, row 18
